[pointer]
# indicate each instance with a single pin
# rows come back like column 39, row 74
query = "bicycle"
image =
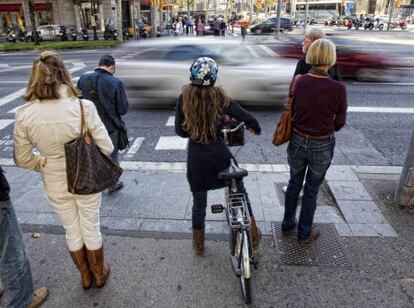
column 238, row 219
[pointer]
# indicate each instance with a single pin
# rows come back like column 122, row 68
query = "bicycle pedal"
column 217, row 208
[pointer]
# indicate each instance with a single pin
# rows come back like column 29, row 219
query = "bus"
column 325, row 9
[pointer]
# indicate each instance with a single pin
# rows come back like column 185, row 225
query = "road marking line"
column 171, row 143
column 5, row 123
column 13, row 81
column 380, row 109
column 11, row 97
column 134, row 148
column 385, row 83
column 77, row 66
column 15, row 68
column 269, row 51
column 171, row 121
column 4, row 65
column 252, row 51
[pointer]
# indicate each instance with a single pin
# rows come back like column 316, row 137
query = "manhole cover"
column 324, row 198
column 327, row 251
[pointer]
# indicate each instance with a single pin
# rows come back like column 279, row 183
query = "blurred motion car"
column 352, row 63
column 159, row 70
column 50, row 33
column 270, row 24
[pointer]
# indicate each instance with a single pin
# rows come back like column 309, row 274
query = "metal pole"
column 404, row 194
column 279, row 2
column 306, row 15
column 33, row 22
column 391, row 11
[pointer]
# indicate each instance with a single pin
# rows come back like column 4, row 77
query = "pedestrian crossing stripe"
column 171, row 143
column 5, row 123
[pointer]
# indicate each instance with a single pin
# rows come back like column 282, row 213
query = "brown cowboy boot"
column 39, row 296
column 256, row 234
column 81, row 262
column 98, row 266
column 198, row 241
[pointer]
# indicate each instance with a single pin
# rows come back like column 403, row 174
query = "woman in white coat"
column 49, row 119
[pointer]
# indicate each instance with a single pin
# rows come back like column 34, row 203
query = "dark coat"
column 206, row 160
column 111, row 94
column 303, row 68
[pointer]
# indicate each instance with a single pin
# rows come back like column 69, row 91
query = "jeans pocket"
column 323, row 157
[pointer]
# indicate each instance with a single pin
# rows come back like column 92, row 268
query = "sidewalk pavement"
column 147, row 229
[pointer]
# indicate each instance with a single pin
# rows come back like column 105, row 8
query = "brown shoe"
column 256, row 234
column 198, row 241
column 315, row 232
column 81, row 262
column 98, row 266
column 39, row 296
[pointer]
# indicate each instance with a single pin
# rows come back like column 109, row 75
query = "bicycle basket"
column 237, row 138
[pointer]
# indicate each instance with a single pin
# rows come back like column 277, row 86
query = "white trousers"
column 79, row 214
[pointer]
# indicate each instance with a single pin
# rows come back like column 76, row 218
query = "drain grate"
column 327, row 251
column 324, row 198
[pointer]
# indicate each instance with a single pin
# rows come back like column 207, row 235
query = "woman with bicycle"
column 200, row 113
column 319, row 110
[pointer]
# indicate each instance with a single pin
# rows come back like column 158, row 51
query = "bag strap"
column 293, row 85
column 83, row 122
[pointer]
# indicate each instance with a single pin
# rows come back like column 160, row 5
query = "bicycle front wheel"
column 245, row 270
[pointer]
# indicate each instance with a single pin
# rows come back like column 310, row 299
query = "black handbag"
column 88, row 170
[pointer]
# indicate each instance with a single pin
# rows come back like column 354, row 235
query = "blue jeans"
column 311, row 159
column 115, row 152
column 15, row 271
column 200, row 205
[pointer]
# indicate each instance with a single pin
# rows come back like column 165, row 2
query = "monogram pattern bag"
column 284, row 128
column 88, row 170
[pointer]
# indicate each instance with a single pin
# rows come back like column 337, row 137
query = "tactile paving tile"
column 326, row 251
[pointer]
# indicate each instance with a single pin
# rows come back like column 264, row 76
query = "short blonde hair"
column 321, row 52
column 48, row 74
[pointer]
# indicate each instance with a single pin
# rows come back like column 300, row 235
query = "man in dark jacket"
column 15, row 271
column 108, row 94
column 302, row 68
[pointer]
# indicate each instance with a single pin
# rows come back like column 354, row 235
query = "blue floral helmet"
column 203, row 72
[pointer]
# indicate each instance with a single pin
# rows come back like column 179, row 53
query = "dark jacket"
column 4, row 187
column 111, row 94
column 206, row 160
column 303, row 68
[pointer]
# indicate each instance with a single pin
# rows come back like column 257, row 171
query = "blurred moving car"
column 270, row 24
column 50, row 33
column 352, row 63
column 156, row 75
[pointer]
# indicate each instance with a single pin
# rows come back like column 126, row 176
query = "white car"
column 157, row 70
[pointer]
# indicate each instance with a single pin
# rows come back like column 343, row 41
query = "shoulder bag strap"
column 83, row 122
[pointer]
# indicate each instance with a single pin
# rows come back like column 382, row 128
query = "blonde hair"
column 321, row 52
column 203, row 109
column 48, row 74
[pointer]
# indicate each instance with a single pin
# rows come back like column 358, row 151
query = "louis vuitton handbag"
column 88, row 170
column 284, row 128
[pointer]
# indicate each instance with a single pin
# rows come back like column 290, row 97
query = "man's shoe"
column 39, row 296
column 312, row 237
column 1, row 289
column 116, row 187
column 287, row 229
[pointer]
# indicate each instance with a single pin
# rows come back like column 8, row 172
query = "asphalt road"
column 378, row 135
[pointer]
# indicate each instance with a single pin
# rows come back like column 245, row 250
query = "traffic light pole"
column 391, row 11
column 33, row 22
column 405, row 191
column 279, row 3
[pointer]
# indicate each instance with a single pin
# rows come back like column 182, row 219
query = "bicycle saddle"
column 232, row 172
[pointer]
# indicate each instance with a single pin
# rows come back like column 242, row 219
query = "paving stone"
column 121, row 223
column 378, row 169
column 348, row 191
column 361, row 212
column 340, row 173
column 343, row 229
column 327, row 214
column 267, row 189
column 385, row 230
column 33, row 218
column 166, row 225
column 32, row 200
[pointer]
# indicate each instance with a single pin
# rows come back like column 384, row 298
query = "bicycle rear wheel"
column 245, row 269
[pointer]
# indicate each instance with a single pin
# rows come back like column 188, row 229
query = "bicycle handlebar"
column 230, row 130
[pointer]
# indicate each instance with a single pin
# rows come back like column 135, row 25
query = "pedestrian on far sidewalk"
column 108, row 94
column 200, row 113
column 319, row 109
column 50, row 119
column 15, row 271
column 312, row 34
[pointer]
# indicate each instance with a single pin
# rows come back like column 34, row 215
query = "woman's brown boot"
column 256, row 234
column 81, row 262
column 198, row 241
column 98, row 266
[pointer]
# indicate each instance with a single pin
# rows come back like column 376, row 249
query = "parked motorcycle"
column 110, row 33
column 358, row 23
column 400, row 22
column 126, row 35
column 11, row 36
column 348, row 22
column 74, row 34
column 371, row 24
column 85, row 35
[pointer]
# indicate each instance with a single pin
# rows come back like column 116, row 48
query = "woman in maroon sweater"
column 319, row 110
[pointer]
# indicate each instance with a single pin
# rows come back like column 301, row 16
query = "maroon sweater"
column 319, row 106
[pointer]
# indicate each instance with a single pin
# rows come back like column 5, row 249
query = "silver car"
column 155, row 71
